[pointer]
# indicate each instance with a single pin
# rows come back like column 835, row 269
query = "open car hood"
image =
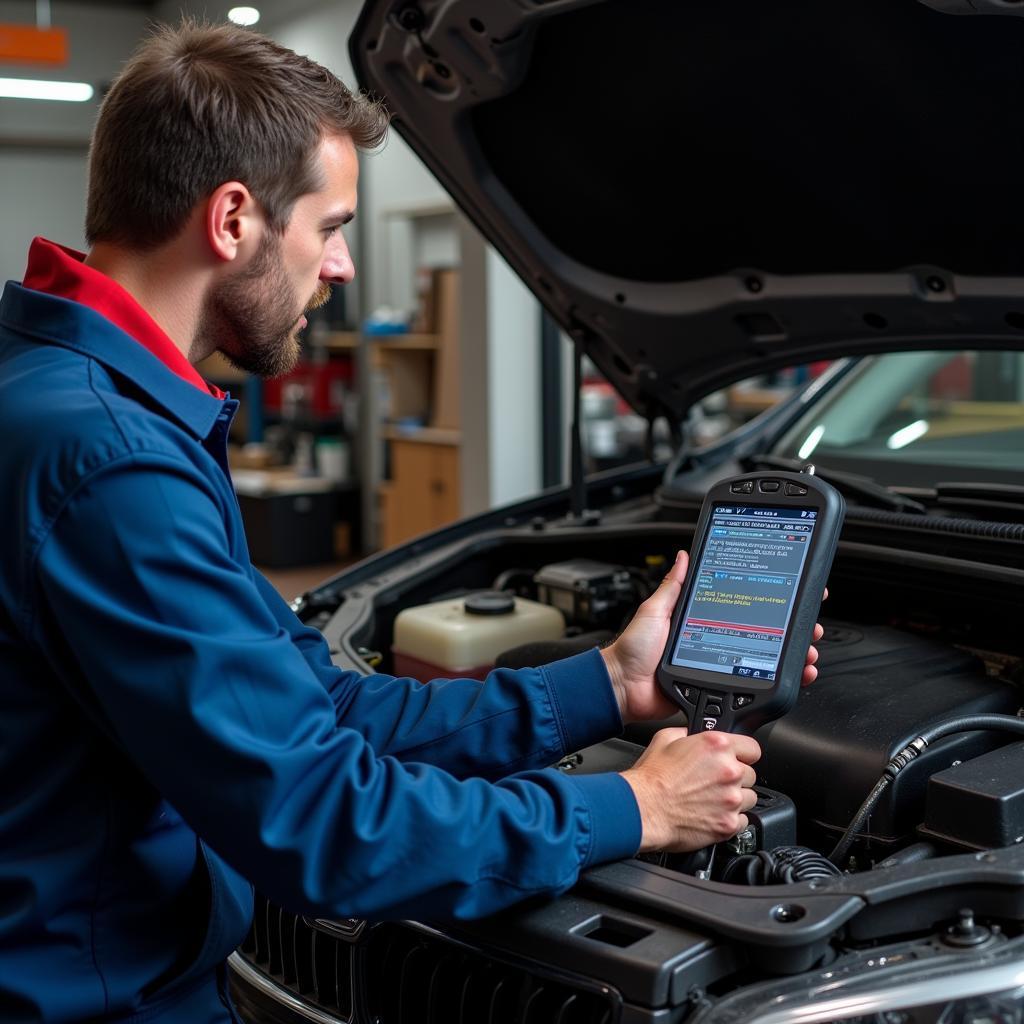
column 700, row 192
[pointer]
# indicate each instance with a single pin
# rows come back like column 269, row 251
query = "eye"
column 331, row 231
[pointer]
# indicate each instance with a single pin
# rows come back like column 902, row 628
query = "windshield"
column 920, row 418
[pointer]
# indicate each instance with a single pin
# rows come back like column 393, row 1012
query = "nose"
column 337, row 267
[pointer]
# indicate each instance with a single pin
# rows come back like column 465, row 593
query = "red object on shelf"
column 324, row 384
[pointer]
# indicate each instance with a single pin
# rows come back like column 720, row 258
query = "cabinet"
column 424, row 489
column 420, row 375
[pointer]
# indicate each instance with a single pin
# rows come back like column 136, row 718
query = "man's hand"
column 693, row 791
column 633, row 658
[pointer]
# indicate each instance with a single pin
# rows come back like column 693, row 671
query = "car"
column 701, row 194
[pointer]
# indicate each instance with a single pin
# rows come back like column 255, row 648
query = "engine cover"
column 877, row 687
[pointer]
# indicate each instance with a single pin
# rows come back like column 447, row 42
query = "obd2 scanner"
column 759, row 563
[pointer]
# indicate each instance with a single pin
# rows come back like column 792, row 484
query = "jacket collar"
column 53, row 320
column 58, row 270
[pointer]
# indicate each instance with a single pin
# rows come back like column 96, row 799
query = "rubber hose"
column 844, row 844
column 782, row 866
column 909, row 751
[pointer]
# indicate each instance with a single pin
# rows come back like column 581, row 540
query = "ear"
column 234, row 221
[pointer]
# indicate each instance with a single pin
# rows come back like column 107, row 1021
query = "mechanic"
column 170, row 733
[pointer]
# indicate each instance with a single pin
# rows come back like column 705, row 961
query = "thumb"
column 663, row 600
column 670, row 734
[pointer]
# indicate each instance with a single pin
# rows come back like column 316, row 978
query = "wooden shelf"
column 348, row 341
column 341, row 341
column 404, row 342
column 421, row 371
column 423, row 435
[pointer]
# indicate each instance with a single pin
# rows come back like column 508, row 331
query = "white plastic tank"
column 462, row 637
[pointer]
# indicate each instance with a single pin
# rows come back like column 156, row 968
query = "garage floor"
column 291, row 583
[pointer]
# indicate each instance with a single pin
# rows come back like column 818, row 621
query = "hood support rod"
column 578, row 486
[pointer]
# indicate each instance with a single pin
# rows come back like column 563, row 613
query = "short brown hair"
column 198, row 105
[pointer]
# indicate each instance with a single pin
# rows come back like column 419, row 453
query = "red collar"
column 57, row 270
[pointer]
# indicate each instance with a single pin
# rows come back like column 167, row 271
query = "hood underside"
column 700, row 192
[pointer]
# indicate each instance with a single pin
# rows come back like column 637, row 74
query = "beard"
column 250, row 317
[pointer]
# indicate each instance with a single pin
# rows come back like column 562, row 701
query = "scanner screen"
column 746, row 583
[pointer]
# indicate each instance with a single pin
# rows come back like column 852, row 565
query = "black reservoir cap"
column 490, row 602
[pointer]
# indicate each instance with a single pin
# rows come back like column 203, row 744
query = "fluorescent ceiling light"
column 244, row 15
column 905, row 435
column 34, row 89
column 812, row 441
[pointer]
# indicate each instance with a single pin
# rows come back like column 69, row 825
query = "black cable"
column 962, row 723
column 781, row 866
column 842, row 847
column 505, row 578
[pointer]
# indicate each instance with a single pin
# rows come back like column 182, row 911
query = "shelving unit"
column 420, row 374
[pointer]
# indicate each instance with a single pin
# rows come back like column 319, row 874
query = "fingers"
column 819, row 632
column 668, row 735
column 695, row 792
column 746, row 749
column 810, row 673
column 825, row 597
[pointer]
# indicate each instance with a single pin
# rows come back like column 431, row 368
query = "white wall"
column 43, row 144
column 513, row 385
column 43, row 194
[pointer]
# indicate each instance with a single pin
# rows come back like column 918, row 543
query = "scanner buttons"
column 767, row 486
column 687, row 693
column 741, row 700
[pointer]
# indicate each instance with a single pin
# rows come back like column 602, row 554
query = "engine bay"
column 863, row 900
column 888, row 667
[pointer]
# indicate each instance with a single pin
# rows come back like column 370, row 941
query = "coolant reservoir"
column 462, row 637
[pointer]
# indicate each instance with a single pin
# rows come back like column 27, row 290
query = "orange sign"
column 33, row 45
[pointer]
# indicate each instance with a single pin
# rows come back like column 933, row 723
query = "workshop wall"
column 44, row 145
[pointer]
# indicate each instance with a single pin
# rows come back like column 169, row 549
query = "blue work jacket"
column 171, row 734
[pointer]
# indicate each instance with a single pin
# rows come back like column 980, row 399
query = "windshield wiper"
column 981, row 497
column 853, row 485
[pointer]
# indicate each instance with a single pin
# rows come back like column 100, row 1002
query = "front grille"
column 305, row 960
column 413, row 977
column 402, row 974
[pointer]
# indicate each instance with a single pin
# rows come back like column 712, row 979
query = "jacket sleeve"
column 170, row 647
column 515, row 720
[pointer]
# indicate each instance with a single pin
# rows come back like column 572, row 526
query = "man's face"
column 254, row 317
